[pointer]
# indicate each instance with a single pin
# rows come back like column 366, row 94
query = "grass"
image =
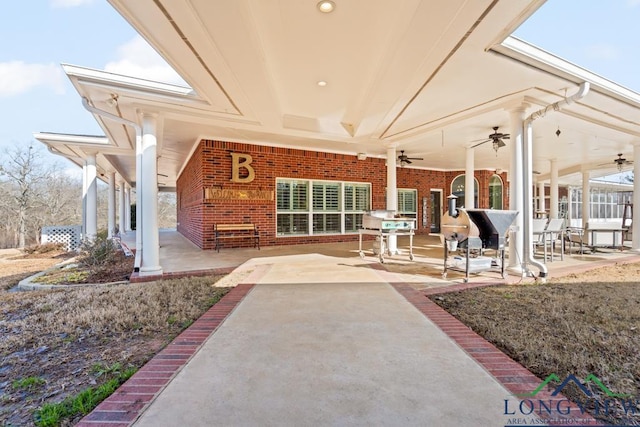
column 577, row 328
column 77, row 341
column 63, row 276
column 52, row 414
column 28, row 383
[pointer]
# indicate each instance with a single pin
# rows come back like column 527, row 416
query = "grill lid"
column 491, row 221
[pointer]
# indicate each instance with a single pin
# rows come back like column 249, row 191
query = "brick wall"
column 210, row 167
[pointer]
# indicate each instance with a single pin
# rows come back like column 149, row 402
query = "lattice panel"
column 70, row 235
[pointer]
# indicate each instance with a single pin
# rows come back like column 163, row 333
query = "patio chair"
column 538, row 229
column 555, row 231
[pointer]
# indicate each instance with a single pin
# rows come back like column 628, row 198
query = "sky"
column 37, row 36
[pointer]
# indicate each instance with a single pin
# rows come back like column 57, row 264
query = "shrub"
column 44, row 248
column 98, row 252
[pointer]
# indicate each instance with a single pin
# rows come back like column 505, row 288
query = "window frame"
column 312, row 211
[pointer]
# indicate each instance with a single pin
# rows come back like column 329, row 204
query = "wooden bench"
column 236, row 231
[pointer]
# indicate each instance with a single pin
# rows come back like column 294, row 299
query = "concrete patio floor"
column 180, row 256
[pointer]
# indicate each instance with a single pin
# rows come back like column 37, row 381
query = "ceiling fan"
column 406, row 160
column 620, row 162
column 496, row 138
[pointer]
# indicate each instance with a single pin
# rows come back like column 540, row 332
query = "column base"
column 516, row 270
column 151, row 271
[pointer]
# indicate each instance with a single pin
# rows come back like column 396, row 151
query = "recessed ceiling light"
column 326, row 6
column 322, row 83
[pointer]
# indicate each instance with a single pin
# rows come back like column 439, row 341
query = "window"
column 320, row 207
column 605, row 203
column 408, row 202
column 356, row 201
column 291, row 202
column 457, row 189
column 326, row 207
column 495, row 192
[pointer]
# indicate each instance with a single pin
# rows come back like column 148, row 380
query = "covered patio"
column 180, row 257
column 299, row 118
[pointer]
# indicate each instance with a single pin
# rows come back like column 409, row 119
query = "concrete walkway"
column 324, row 337
column 305, row 348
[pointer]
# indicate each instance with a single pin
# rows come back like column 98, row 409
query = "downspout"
column 527, row 164
column 138, row 129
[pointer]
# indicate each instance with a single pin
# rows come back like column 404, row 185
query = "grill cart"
column 384, row 223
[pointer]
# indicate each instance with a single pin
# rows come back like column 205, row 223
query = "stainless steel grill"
column 384, row 223
column 472, row 231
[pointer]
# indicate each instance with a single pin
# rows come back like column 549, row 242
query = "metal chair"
column 555, row 231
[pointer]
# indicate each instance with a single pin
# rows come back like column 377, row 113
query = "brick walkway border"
column 124, row 406
column 513, row 376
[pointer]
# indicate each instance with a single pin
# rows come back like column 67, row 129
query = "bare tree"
column 167, row 210
column 60, row 202
column 23, row 168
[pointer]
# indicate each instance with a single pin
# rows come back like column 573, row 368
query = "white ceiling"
column 431, row 76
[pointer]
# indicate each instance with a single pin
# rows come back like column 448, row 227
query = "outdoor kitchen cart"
column 471, row 232
column 384, row 223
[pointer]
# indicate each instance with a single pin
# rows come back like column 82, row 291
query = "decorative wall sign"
column 239, row 161
column 237, row 194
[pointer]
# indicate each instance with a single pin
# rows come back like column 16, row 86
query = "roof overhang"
column 433, row 78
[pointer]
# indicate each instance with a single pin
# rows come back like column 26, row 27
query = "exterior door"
column 436, row 210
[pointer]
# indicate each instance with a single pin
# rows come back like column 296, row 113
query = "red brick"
column 210, row 166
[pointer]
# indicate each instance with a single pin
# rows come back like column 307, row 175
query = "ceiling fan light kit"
column 620, row 162
column 406, row 160
column 496, row 139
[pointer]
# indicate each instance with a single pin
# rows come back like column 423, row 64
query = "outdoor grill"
column 384, row 223
column 472, row 231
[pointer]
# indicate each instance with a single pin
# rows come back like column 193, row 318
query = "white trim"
column 518, row 49
column 310, row 212
column 127, row 81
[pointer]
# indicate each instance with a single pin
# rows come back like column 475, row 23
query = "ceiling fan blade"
column 415, row 158
column 480, row 143
column 478, row 140
column 506, row 136
column 407, row 161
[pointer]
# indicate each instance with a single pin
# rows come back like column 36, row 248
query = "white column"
column 127, row 207
column 586, row 198
column 85, row 185
column 570, row 213
column 553, row 200
column 392, row 192
column 469, row 181
column 121, row 206
column 111, row 204
column 635, row 219
column 542, row 203
column 149, row 198
column 516, row 190
column 92, row 198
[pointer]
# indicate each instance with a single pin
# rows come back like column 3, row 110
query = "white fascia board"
column 520, row 50
column 98, row 141
column 121, row 81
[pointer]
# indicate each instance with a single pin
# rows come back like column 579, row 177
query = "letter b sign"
column 239, row 161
